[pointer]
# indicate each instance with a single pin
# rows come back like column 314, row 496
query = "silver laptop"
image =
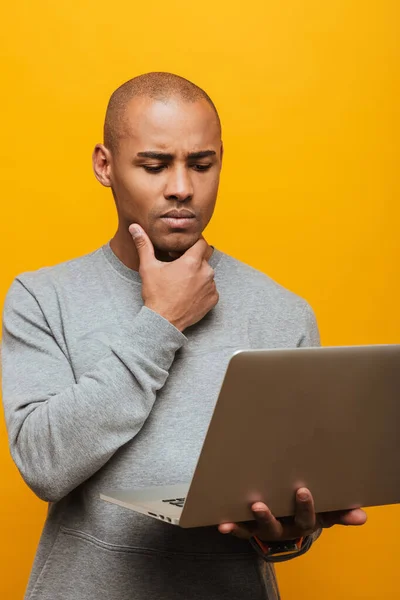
column 325, row 418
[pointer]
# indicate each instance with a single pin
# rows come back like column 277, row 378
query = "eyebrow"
column 168, row 156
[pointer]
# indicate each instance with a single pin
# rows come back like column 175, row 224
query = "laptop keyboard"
column 175, row 501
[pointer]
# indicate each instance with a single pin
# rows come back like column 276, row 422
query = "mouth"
column 179, row 219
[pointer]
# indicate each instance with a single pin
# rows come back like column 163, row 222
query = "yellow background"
column 308, row 96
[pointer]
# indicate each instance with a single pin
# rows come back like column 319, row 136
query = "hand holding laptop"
column 341, row 441
column 305, row 521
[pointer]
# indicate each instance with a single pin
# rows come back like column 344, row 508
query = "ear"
column 222, row 152
column 101, row 160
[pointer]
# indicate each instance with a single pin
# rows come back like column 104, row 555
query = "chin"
column 176, row 243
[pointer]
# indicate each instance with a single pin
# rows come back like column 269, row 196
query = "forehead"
column 174, row 125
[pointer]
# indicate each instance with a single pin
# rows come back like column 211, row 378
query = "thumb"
column 143, row 244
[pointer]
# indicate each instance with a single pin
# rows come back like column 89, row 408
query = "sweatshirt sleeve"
column 61, row 431
column 311, row 335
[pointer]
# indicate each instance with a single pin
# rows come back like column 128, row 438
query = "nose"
column 179, row 184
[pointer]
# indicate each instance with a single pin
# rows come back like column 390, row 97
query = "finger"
column 240, row 531
column 211, row 273
column 271, row 528
column 305, row 517
column 143, row 244
column 199, row 250
column 354, row 517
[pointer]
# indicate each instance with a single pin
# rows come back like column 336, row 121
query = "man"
column 112, row 364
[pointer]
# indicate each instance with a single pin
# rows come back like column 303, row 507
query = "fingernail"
column 261, row 512
column 303, row 496
column 225, row 531
column 135, row 231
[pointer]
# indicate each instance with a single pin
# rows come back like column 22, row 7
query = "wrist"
column 281, row 547
column 177, row 323
column 279, row 552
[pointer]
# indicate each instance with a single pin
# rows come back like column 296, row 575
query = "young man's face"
column 165, row 173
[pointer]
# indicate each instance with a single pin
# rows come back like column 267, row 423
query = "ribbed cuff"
column 153, row 337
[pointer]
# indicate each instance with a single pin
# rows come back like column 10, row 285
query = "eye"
column 158, row 169
column 201, row 167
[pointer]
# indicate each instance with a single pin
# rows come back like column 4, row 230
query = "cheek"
column 133, row 184
column 135, row 190
column 214, row 183
column 209, row 194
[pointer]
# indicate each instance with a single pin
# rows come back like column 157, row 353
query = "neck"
column 124, row 248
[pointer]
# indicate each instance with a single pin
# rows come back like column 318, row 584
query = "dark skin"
column 305, row 522
column 169, row 158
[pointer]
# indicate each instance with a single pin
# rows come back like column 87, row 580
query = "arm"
column 299, row 547
column 61, row 431
column 310, row 336
column 306, row 525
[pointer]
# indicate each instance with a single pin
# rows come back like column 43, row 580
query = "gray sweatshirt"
column 101, row 392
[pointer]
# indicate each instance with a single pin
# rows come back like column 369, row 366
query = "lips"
column 179, row 219
column 179, row 214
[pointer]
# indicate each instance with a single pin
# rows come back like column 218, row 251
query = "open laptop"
column 325, row 418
